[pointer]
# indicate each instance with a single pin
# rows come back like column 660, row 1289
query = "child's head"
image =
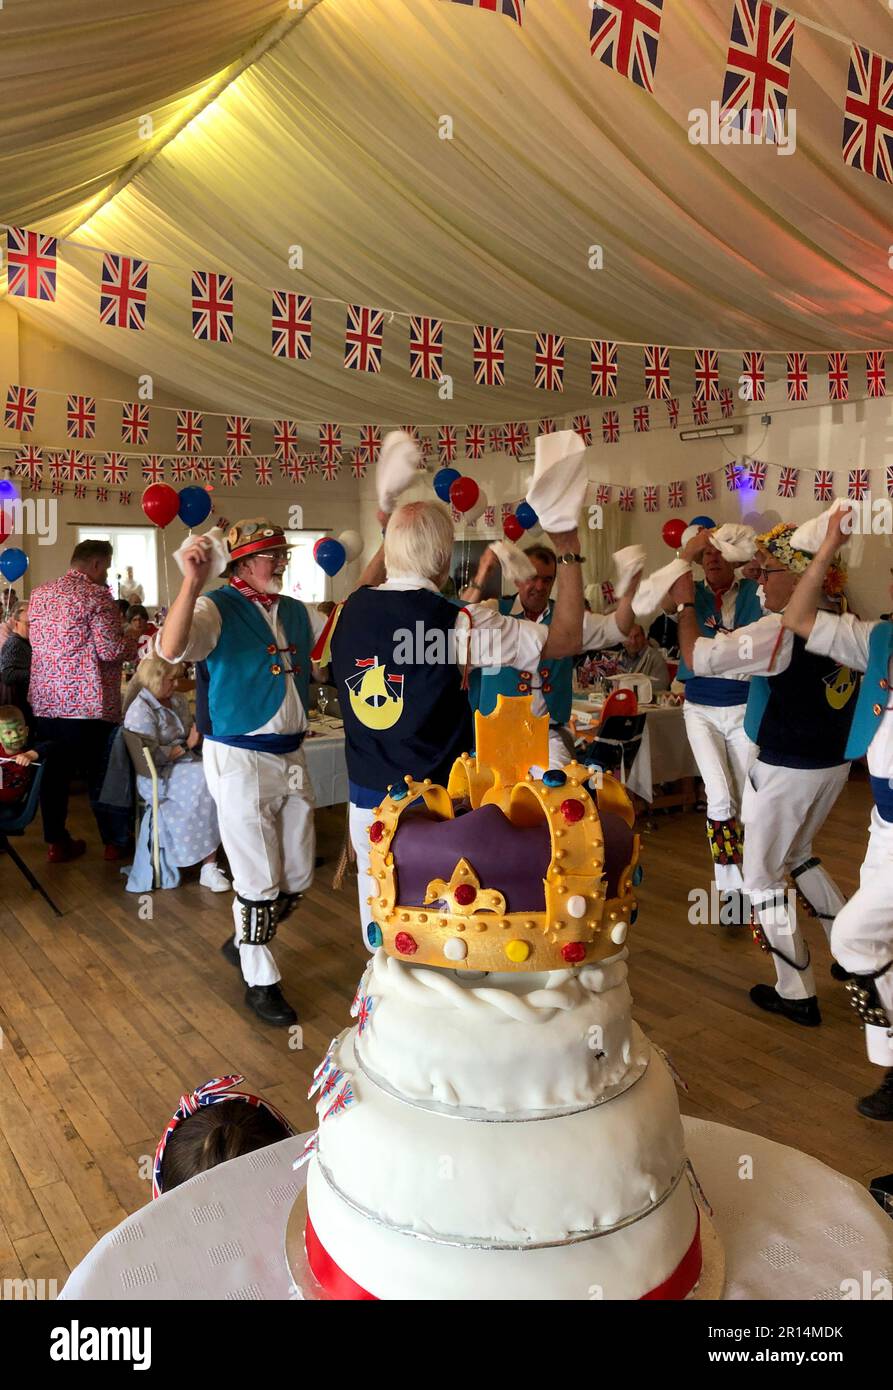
column 13, row 729
column 213, row 1124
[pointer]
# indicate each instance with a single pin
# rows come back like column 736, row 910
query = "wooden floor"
column 107, row 1018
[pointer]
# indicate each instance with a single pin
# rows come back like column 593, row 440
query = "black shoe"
column 802, row 1011
column 285, row 906
column 268, row 1003
column 838, row 973
column 879, row 1105
column 231, row 951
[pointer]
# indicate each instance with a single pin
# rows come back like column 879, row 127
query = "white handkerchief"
column 397, row 469
column 219, row 552
column 628, row 562
column 515, row 564
column 810, row 535
column 652, row 591
column 735, row 542
column 559, row 483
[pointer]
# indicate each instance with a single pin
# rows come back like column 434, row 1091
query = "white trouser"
column 783, row 809
column 724, row 755
column 360, row 821
column 862, row 939
column 265, row 809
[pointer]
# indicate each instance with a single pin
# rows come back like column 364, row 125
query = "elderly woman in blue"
column 187, row 816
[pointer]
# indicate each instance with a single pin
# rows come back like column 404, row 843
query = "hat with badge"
column 255, row 536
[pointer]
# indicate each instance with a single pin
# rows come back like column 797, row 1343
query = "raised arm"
column 473, row 591
column 375, row 572
column 566, row 630
column 173, row 638
column 800, row 614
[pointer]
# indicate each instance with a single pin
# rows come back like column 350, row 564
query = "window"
column 131, row 545
column 304, row 579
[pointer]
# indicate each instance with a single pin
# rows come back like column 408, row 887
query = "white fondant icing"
column 576, row 906
column 455, row 949
column 619, row 933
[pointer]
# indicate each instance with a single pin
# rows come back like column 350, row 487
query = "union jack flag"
column 57, row 487
column 475, row 441
column 331, row 1082
column 706, row 374
column 838, row 376
column 549, row 362
column 497, row 439
column 583, row 427
column 859, row 484
column 627, row 499
column 330, row 468
column 625, row 35
column 285, row 437
column 123, row 292
column 753, row 376
column 734, row 476
column 29, row 462
column 512, row 9
column 756, row 475
column 651, row 498
column 230, row 472
column 86, row 469
column 798, row 377
column 727, row 402
column 238, row 436
column 135, row 424
column 673, row 413
column 489, row 356
column 890, row 480
column 657, row 373
column 80, row 491
column 447, row 443
column 181, row 469
column 876, row 374
column 704, row 484
column 868, row 118
column 603, row 494
column 508, row 509
column 205, row 470
column 81, row 417
column 611, row 427
column 370, row 443
column 344, row 1098
column 603, row 367
column 413, row 432
column 823, row 485
column 788, row 480
column 125, row 499
column 263, row 472
column 758, row 71
column 190, row 424
column 306, row 1153
column 641, row 419
column 30, row 264
column 36, row 484
column 153, row 468
column 489, row 516
column 517, row 436
column 291, row 324
column 363, row 339
column 296, row 470
column 114, row 469
column 358, row 463
column 676, row 495
column 64, row 464
column 21, row 407
column 608, row 594
column 212, row 307
column 426, row 349
column 546, row 427
column 330, row 444
column 102, row 494
column 366, row 1005
column 700, row 411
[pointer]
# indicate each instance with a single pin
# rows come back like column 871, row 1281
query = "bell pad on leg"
column 726, row 841
column 259, row 920
column 865, row 999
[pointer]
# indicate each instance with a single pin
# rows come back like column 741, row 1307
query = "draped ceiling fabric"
column 330, row 141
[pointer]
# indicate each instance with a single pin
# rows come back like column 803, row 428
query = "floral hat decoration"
column 777, row 543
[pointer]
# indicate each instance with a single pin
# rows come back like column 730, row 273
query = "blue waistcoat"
column 717, row 690
column 875, row 693
column 554, row 678
column 244, row 691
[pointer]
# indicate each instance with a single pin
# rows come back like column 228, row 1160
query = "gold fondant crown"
column 463, row 923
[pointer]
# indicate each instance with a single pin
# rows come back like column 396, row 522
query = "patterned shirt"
column 77, row 650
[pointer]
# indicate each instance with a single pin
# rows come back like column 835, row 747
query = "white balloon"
column 353, row 544
column 479, row 507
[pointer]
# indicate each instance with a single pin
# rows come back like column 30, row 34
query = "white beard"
column 274, row 585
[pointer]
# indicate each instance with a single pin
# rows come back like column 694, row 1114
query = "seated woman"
column 187, row 816
column 15, row 663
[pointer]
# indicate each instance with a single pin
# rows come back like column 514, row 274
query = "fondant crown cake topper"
column 502, row 871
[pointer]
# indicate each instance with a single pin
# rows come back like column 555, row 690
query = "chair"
column 142, row 760
column 14, row 820
column 618, row 734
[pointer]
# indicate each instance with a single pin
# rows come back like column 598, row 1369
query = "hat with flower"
column 777, row 543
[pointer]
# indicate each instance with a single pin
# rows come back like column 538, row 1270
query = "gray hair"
column 419, row 540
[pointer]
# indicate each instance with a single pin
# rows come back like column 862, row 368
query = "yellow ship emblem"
column 839, row 686
column 375, row 697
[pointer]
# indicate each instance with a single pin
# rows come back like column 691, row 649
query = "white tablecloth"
column 793, row 1229
column 665, row 754
column 324, row 751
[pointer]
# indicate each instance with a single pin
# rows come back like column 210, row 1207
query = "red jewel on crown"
column 376, row 832
column 405, row 944
column 465, row 894
column 574, row 952
column 572, row 811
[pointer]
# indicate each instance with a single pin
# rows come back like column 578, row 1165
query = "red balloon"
column 513, row 528
column 5, row 529
column 160, row 504
column 317, row 544
column 464, row 494
column 673, row 532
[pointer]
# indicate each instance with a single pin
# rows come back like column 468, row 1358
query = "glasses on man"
column 764, row 573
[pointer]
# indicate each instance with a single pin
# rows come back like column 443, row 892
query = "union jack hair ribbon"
column 210, row 1093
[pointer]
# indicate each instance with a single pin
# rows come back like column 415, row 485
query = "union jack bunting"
column 114, row 469
column 153, row 468
column 706, row 374
column 727, row 402
column 190, row 424
column 30, row 264
column 546, row 427
column 330, row 444
column 57, row 487
column 758, row 67
column 102, row 494
column 625, row 35
column 756, row 475
column 64, row 464
column 181, row 469
column 517, row 436
column 673, row 413
column 426, row 444
column 204, row 470
column 447, row 443
column 497, row 439
column 868, row 114
column 798, row 376
column 583, row 427
column 823, row 485
column 263, row 472
column 291, row 324
column 641, row 419
column 611, row 427
column 488, row 356
column 343, row 1099
column 475, row 441
column 859, row 485
column 307, row 1152
column 627, row 499
column 512, row 9
column 700, row 411
column 838, row 376
column 330, row 468
column 788, row 480
column 36, row 484
column 657, row 373
column 876, row 374
column 603, row 494
column 508, row 509
column 651, row 498
column 426, row 349
column 81, row 417
column 238, row 436
column 212, row 307
column 296, row 470
column 363, row 339
column 80, row 492
column 21, row 407
column 549, row 362
column 370, row 443
column 676, row 495
column 123, row 292
column 734, row 476
column 358, row 463
column 890, row 480
column 413, row 432
column 135, row 424
column 490, row 516
column 29, row 462
column 704, row 484
column 753, row 376
column 608, row 594
column 230, row 472
column 86, row 467
column 125, row 499
column 603, row 367
column 285, row 437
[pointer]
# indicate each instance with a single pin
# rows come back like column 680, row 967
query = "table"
column 665, row 754
column 326, row 761
column 794, row 1230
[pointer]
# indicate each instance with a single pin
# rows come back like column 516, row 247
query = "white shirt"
column 492, row 636
column 845, row 638
column 762, row 648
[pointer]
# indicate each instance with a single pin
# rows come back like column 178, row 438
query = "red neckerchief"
column 254, row 595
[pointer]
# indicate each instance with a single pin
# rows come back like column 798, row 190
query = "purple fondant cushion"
column 512, row 860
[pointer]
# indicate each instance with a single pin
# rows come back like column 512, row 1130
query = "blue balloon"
column 526, row 515
column 8, row 490
column 443, row 481
column 706, row 521
column 195, row 506
column 13, row 564
column 331, row 556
